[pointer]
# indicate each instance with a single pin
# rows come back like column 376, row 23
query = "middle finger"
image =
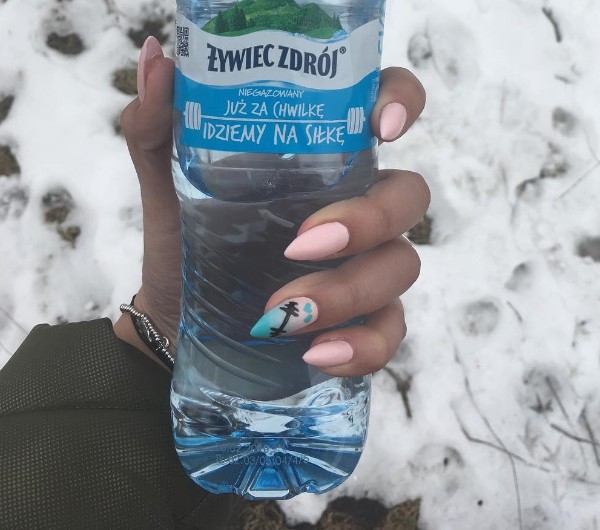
column 390, row 208
column 359, row 286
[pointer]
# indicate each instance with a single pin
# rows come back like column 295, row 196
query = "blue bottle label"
column 271, row 91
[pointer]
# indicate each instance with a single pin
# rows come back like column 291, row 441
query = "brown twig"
column 510, row 456
column 588, row 428
column 555, row 394
column 550, row 16
column 570, row 435
column 9, row 316
column 471, row 438
column 566, row 416
column 403, row 387
column 580, row 179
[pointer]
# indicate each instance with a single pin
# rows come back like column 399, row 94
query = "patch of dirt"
column 265, row 515
column 70, row 44
column 9, row 165
column 117, row 126
column 419, row 50
column 6, row 103
column 421, row 233
column 57, row 205
column 480, row 317
column 125, row 80
column 345, row 513
column 13, row 202
column 151, row 27
column 403, row 516
column 589, row 248
column 563, row 121
column 70, row 234
column 556, row 165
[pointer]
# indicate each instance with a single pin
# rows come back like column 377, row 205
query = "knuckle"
column 127, row 121
column 417, row 87
column 385, row 221
column 382, row 348
column 413, row 263
column 421, row 190
column 404, row 332
column 402, row 84
column 397, row 312
column 355, row 294
column 424, row 191
column 397, row 309
column 420, row 89
column 381, row 352
column 408, row 263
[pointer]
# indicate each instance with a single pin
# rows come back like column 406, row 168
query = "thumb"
column 401, row 101
column 147, row 125
column 146, row 121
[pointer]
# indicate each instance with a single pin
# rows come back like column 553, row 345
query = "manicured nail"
column 150, row 49
column 329, row 353
column 319, row 242
column 392, row 121
column 286, row 317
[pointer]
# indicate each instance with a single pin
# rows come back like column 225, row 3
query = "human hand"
column 369, row 228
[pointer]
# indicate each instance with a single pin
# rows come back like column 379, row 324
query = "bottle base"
column 261, row 472
column 271, row 450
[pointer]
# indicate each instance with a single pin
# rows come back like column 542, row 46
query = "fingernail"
column 392, row 121
column 319, row 242
column 330, row 353
column 286, row 317
column 150, row 49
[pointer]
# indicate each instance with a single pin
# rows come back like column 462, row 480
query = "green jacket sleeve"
column 85, row 438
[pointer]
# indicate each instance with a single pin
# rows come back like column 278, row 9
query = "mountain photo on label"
column 248, row 16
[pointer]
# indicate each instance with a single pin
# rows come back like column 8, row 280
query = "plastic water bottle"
column 272, row 107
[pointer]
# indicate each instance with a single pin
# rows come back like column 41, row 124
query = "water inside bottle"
column 249, row 415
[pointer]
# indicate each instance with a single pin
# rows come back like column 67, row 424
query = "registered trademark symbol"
column 343, row 49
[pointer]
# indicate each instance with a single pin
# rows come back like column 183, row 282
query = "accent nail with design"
column 288, row 316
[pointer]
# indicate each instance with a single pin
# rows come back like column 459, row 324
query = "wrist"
column 165, row 325
column 125, row 330
column 138, row 328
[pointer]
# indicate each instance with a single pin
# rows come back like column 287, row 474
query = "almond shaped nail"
column 326, row 354
column 288, row 316
column 319, row 242
column 392, row 121
column 150, row 49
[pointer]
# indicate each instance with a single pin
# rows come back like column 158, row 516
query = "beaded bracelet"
column 158, row 344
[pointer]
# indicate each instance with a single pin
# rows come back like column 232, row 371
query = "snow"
column 501, row 364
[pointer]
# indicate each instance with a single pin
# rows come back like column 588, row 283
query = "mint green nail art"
column 308, row 309
column 287, row 317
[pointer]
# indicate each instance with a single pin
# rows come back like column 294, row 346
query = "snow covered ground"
column 490, row 413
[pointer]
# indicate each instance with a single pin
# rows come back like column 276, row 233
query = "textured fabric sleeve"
column 85, row 438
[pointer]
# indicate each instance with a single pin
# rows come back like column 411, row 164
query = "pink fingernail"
column 392, row 121
column 319, row 242
column 328, row 354
column 150, row 49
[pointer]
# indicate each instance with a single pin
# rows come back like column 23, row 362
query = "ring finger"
column 323, row 299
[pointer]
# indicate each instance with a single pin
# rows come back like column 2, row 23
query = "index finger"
column 401, row 101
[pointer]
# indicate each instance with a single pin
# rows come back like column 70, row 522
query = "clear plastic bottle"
column 272, row 106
